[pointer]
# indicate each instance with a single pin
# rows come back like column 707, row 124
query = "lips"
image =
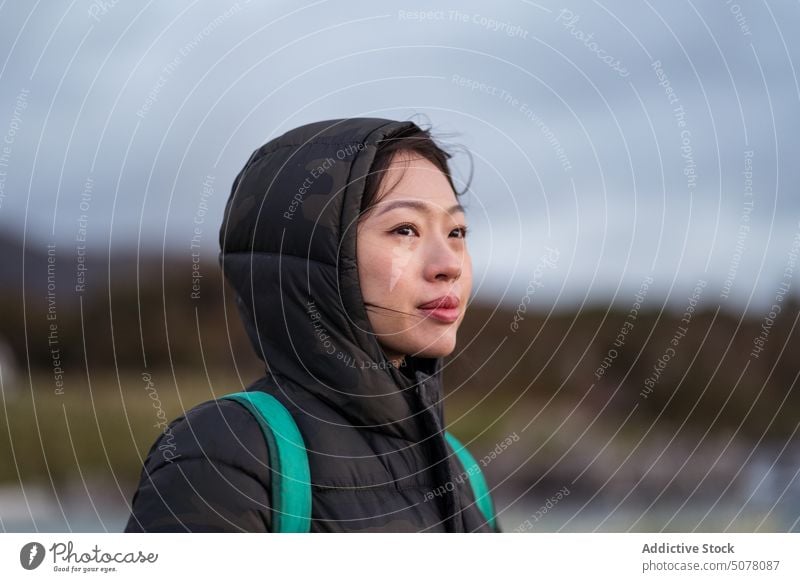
column 445, row 302
column 444, row 309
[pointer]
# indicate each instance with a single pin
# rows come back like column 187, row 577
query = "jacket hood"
column 288, row 249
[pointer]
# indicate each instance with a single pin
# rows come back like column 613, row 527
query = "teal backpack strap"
column 290, row 476
column 480, row 489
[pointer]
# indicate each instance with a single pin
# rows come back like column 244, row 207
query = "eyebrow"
column 417, row 205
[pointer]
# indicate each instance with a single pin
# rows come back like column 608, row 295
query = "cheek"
column 399, row 265
column 466, row 275
column 379, row 268
column 389, row 270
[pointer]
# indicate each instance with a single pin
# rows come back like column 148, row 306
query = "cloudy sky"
column 609, row 142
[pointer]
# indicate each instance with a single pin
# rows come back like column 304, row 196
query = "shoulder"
column 207, row 471
column 221, row 431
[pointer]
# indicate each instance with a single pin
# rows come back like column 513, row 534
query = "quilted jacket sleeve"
column 207, row 472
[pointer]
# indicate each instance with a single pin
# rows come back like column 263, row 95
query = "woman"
column 344, row 242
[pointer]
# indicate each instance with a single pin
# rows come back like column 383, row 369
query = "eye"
column 403, row 229
column 462, row 230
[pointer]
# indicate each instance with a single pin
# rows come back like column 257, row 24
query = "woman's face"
column 412, row 257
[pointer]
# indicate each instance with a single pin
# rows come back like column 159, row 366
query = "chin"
column 436, row 346
column 427, row 344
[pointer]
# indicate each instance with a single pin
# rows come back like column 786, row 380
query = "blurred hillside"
column 119, row 310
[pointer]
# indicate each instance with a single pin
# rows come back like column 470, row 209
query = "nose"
column 443, row 261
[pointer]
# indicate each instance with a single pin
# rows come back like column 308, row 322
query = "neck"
column 395, row 358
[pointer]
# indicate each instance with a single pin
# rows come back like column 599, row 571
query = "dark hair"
column 415, row 140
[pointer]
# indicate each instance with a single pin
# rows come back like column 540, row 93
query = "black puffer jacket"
column 374, row 433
